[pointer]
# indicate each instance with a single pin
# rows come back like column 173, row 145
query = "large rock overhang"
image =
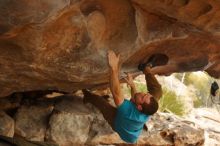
column 62, row 44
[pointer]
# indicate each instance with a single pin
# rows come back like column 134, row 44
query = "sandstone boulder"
column 31, row 121
column 62, row 45
column 70, row 123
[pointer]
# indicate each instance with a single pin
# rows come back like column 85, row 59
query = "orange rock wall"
column 62, row 44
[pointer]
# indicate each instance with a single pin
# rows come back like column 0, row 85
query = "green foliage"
column 169, row 102
column 197, row 103
column 188, row 80
column 201, row 82
column 126, row 90
column 139, row 86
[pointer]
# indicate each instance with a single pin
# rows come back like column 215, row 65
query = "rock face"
column 171, row 130
column 62, row 44
column 68, row 125
column 31, row 121
column 68, row 122
column 7, row 125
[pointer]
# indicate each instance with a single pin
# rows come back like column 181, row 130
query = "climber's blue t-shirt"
column 129, row 121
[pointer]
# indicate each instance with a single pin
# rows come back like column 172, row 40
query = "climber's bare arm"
column 153, row 85
column 115, row 88
column 130, row 82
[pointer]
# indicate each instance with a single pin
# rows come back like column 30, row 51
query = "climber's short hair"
column 151, row 108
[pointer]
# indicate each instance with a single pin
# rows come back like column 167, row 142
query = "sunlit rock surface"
column 209, row 120
column 62, row 44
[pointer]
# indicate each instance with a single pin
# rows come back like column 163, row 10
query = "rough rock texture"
column 71, row 122
column 62, row 44
column 31, row 121
column 11, row 102
column 169, row 129
column 18, row 141
column 7, row 125
column 209, row 120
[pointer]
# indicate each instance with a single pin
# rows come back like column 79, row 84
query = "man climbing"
column 129, row 116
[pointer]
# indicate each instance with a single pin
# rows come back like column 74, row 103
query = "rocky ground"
column 66, row 121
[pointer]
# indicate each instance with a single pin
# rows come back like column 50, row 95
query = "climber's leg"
column 108, row 111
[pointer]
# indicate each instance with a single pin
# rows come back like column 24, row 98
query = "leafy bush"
column 201, row 82
column 141, row 87
column 170, row 103
column 126, row 90
column 197, row 103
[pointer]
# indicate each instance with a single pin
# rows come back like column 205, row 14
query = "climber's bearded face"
column 140, row 99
